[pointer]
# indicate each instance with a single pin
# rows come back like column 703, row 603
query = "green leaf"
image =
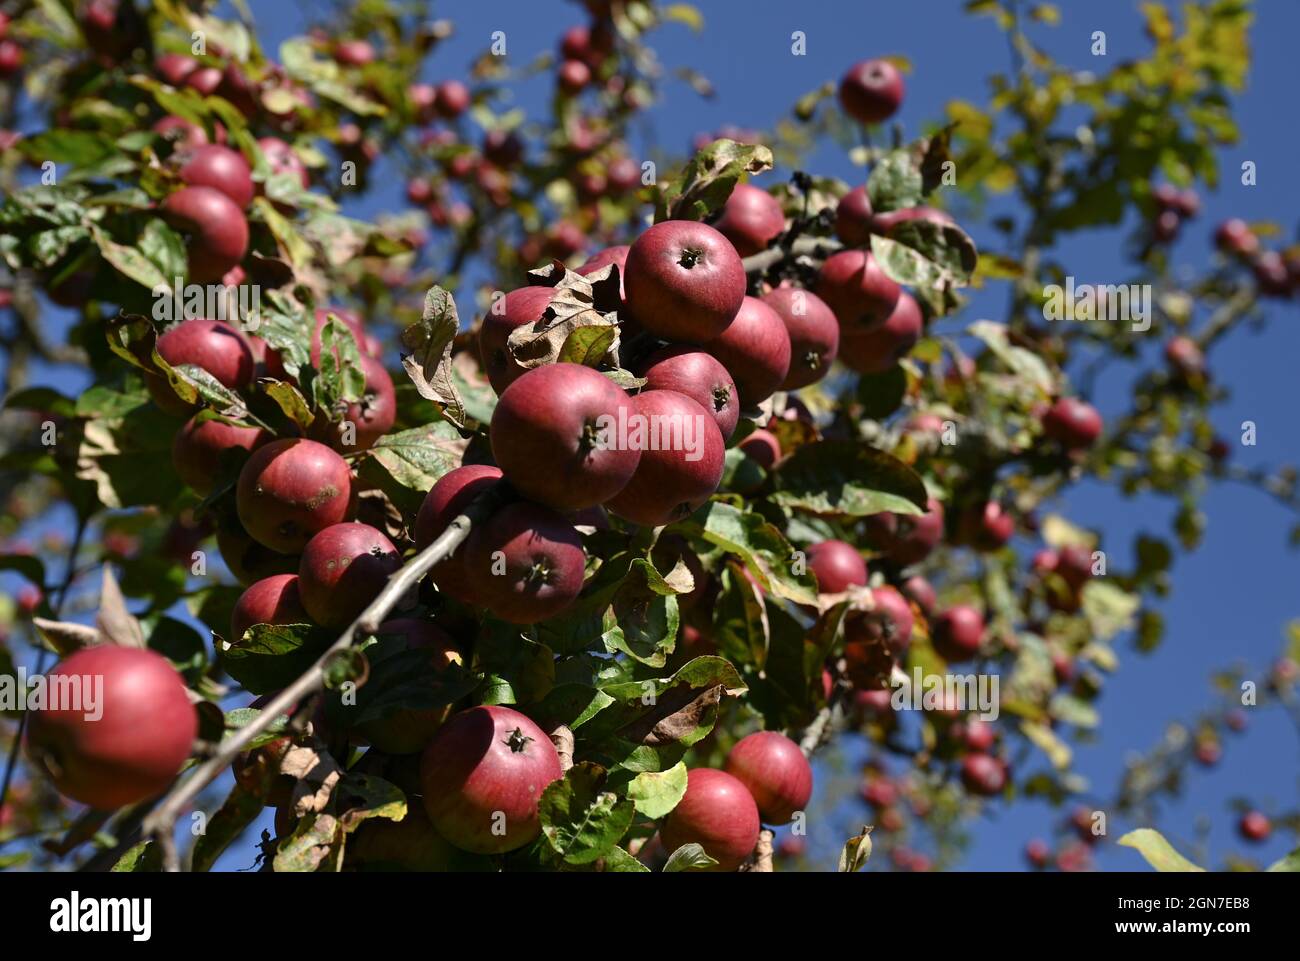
column 882, row 394
column 689, row 857
column 429, row 364
column 656, row 793
column 407, row 464
column 588, row 345
column 269, row 656
column 618, row 861
column 131, row 262
column 847, row 477
column 239, row 811
column 759, row 544
column 895, row 182
column 709, row 178
column 1160, row 854
column 573, row 704
column 581, row 821
column 144, row 857
column 1290, row 863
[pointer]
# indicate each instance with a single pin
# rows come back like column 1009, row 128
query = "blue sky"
column 1233, row 597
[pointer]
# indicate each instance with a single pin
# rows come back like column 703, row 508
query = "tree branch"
column 161, row 824
column 764, row 260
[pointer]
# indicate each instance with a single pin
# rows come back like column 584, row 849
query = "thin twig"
column 804, row 246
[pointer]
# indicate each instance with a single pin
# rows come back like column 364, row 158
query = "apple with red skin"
column 272, row 600
column 976, row 735
column 667, row 486
column 907, row 538
column 718, row 813
column 1038, row 853
column 776, row 773
column 684, row 282
column 860, row 293
column 199, row 450
column 173, row 68
column 813, row 330
column 422, row 99
column 871, row 90
column 983, row 774
column 180, row 132
column 343, row 568
column 877, row 349
column 1074, row 563
column 624, row 174
column 701, row 377
column 248, row 560
column 890, row 621
column 572, row 76
column 601, row 258
column 1207, row 753
column 205, row 80
column 751, row 219
column 371, row 417
column 221, row 168
column 920, row 592
column 837, row 566
column 291, row 489
column 447, row 499
column 566, row 456
column 213, row 345
column 880, row 793
column 1062, row 667
column 517, row 308
column 755, row 349
column 218, row 232
column 409, row 729
column 134, row 750
column 1165, row 227
column 1271, row 274
column 1255, row 826
column 453, row 99
column 1073, row 423
column 503, row 147
column 525, row 563
column 987, row 527
column 958, row 632
column 1184, row 356
column 1234, row 237
column 282, row 159
column 853, row 218
column 486, row 768
column 354, row 53
column 762, row 448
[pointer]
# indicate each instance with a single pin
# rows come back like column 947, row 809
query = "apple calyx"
column 517, row 741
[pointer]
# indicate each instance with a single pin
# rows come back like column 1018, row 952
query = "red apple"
column 283, row 159
column 370, row 418
column 762, row 447
column 958, row 632
column 877, row 349
column 684, row 282
column 573, row 75
column 755, row 349
column 517, row 308
column 289, row 490
column 814, row 334
column 918, row 590
column 983, row 774
column 218, row 232
column 775, row 771
column 1072, row 423
column 719, row 814
column 448, row 498
column 213, row 345
column 1235, row 237
column 223, row 169
column 701, row 377
column 525, row 564
column 854, row 286
column 140, row 730
column 567, row 455
column 272, row 600
column 853, row 218
column 343, row 569
column 1255, row 826
column 354, row 53
column 751, row 219
column 199, row 450
column 837, row 566
column 907, row 538
column 871, row 90
column 482, row 776
column 680, row 468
